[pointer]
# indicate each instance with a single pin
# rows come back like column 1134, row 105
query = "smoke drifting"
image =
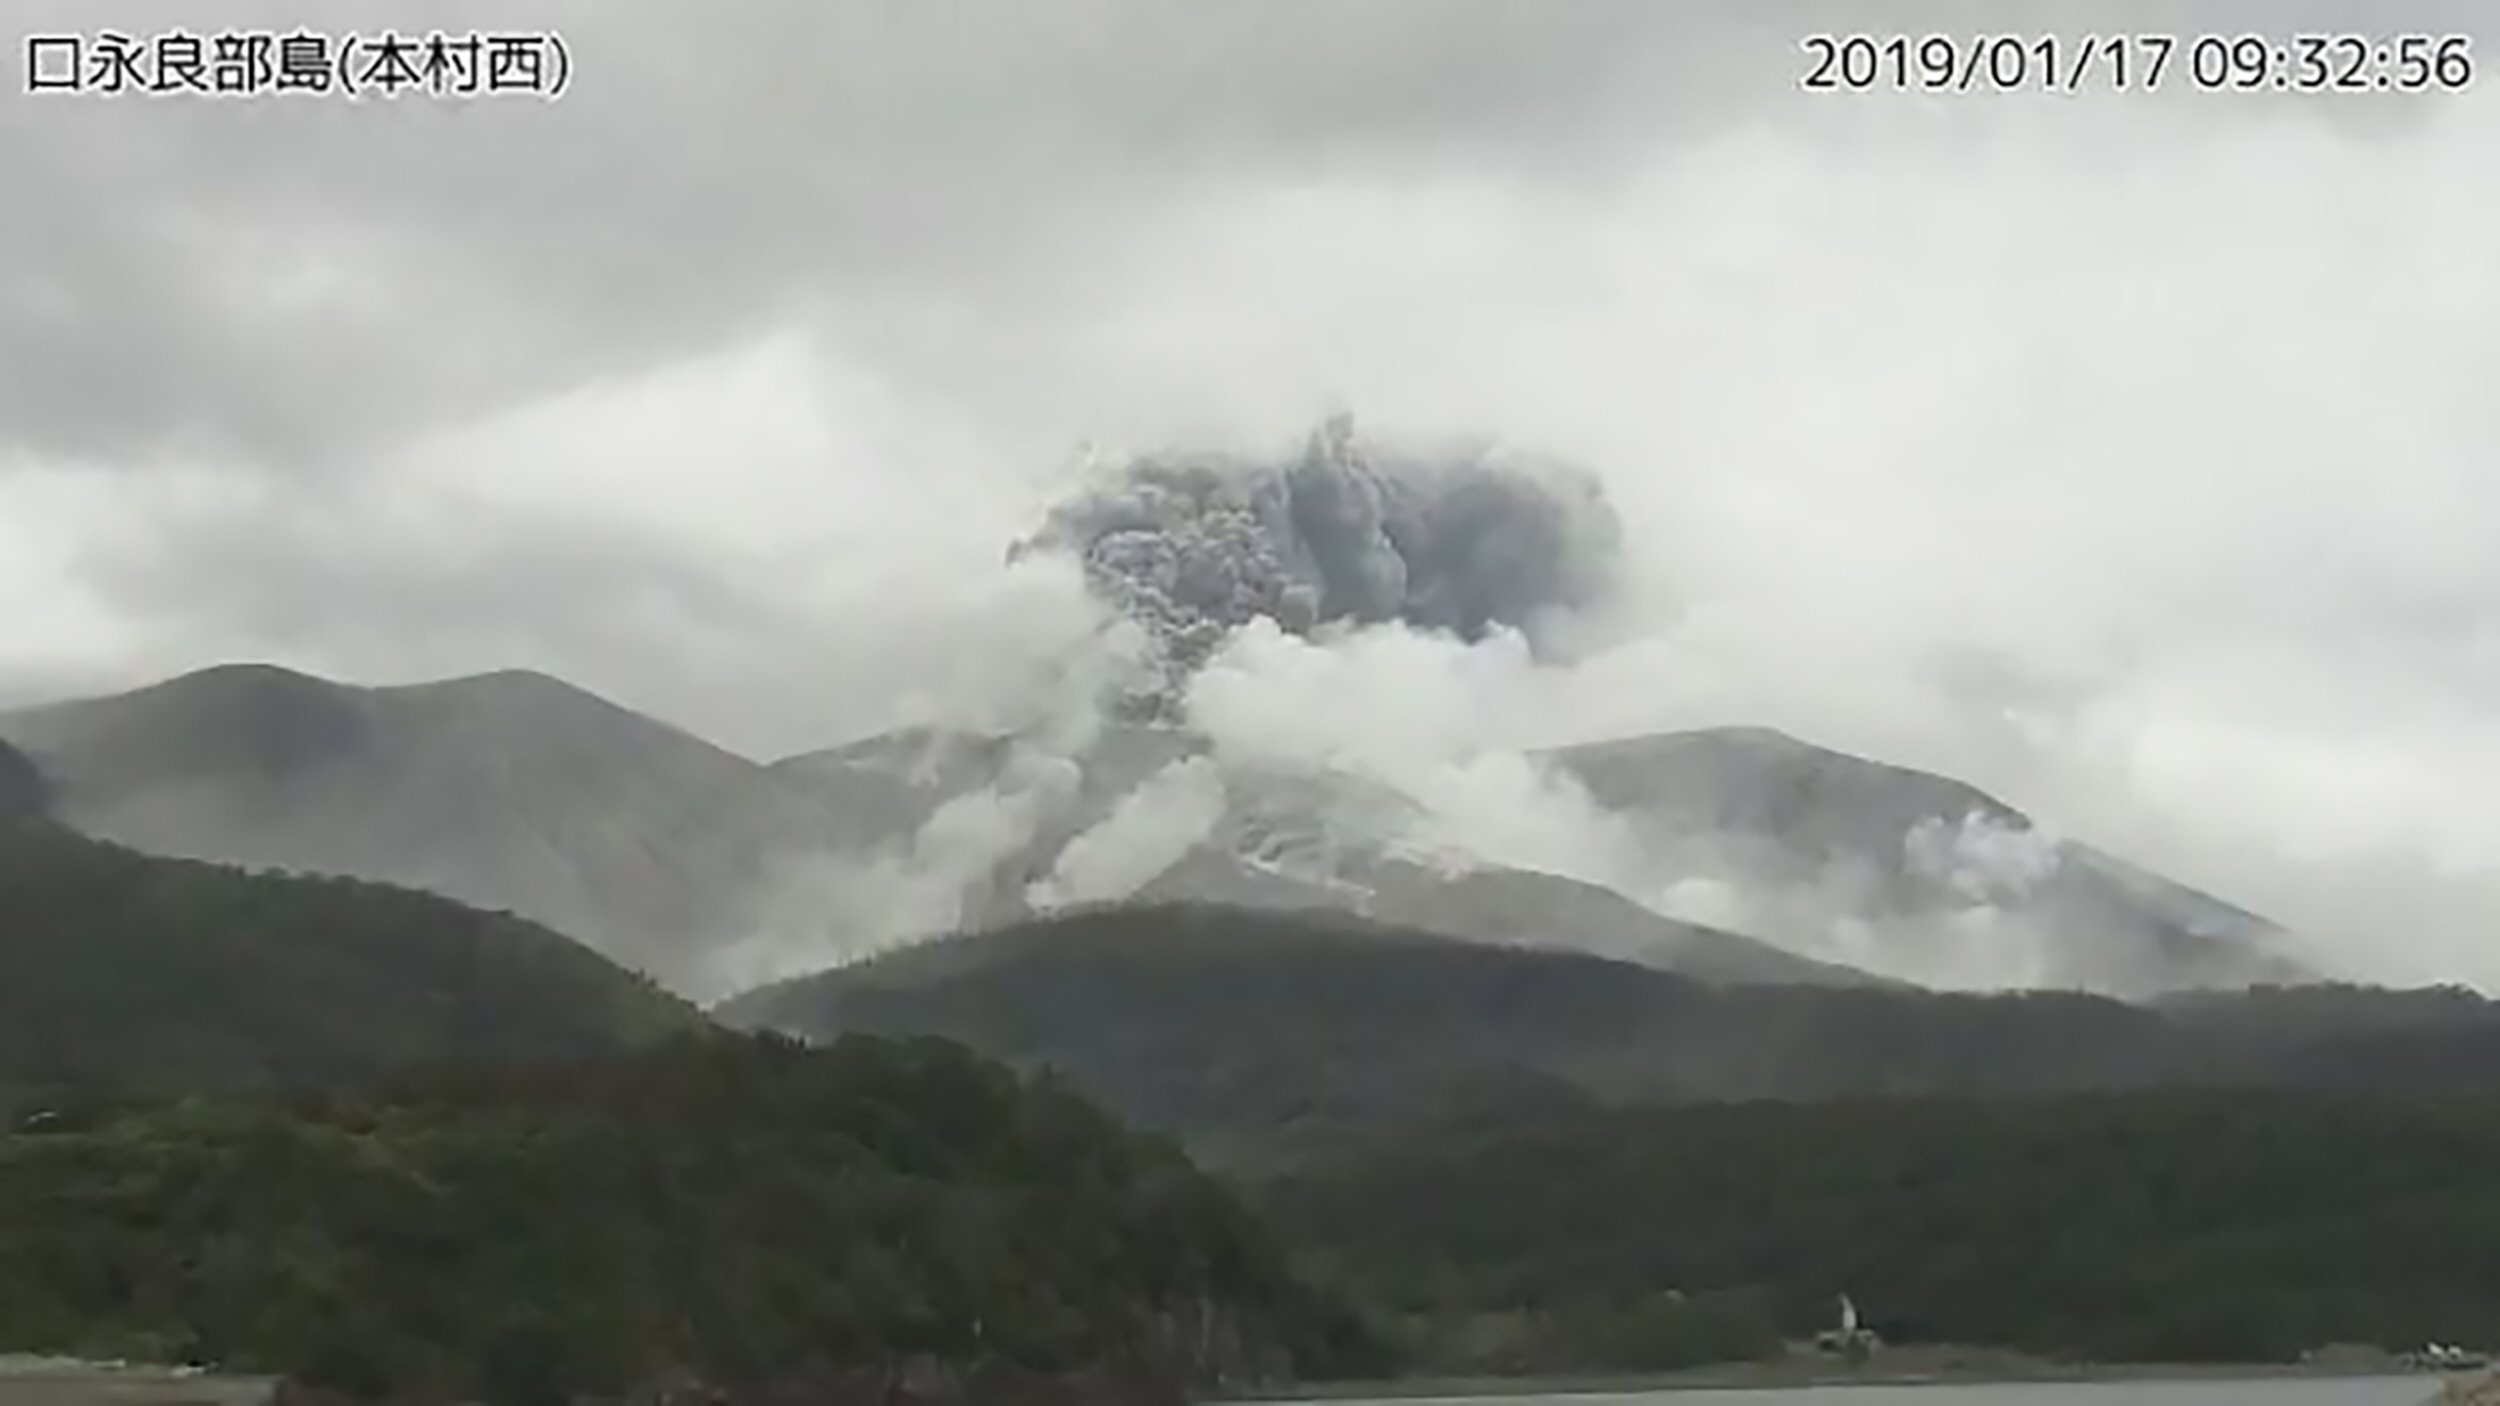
column 1195, row 547
column 1151, row 830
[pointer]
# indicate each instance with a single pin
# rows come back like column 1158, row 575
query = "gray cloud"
column 290, row 282
column 1345, row 534
column 710, row 168
column 2127, row 454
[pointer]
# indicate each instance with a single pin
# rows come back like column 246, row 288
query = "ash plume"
column 1195, row 547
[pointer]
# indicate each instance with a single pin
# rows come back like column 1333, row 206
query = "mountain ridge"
column 1267, row 1038
column 1821, row 845
column 515, row 789
column 508, row 789
column 124, row 973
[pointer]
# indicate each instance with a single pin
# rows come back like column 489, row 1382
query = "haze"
column 2129, row 456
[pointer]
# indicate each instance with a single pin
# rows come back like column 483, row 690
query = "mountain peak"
column 512, row 680
column 244, row 677
column 503, row 691
column 1766, row 767
column 230, row 720
column 509, row 789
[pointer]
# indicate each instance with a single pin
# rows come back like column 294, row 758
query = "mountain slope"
column 1262, row 1034
column 1269, row 837
column 1757, row 858
column 1239, row 1029
column 898, row 779
column 2162, row 1227
column 1909, row 874
column 510, row 791
column 779, row 1223
column 131, row 973
column 1778, row 861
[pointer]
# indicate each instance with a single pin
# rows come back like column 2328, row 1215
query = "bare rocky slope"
column 712, row 872
column 1283, row 840
column 1760, row 857
column 518, row 792
column 1929, row 876
column 512, row 791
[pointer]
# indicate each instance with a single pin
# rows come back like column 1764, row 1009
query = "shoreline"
column 1771, row 1376
column 27, row 1380
column 30, row 1379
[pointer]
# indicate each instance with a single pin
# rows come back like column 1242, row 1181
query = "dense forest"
column 747, row 1210
column 127, row 972
column 2152, row 1226
column 1263, row 1037
column 380, row 1141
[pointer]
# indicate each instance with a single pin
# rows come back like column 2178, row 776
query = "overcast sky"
column 2132, row 455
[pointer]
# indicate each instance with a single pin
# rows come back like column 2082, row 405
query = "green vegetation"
column 2157, row 1226
column 1250, row 1034
column 1542, row 1162
column 22, row 789
column 128, row 974
column 1266, row 1037
column 377, row 1140
column 745, row 1209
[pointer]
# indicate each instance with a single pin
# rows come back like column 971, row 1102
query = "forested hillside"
column 2150, row 1227
column 750, row 1211
column 1264, row 1036
column 126, row 973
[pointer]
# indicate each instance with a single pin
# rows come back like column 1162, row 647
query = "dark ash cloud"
column 1195, row 547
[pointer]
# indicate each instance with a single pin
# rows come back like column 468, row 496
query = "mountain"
column 1509, row 907
column 1264, row 1036
column 128, row 973
column 1756, row 857
column 1751, row 856
column 1909, row 874
column 1266, row 836
column 1243, row 1030
column 512, row 791
column 900, row 778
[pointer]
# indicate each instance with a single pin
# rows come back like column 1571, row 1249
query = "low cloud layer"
column 2128, row 455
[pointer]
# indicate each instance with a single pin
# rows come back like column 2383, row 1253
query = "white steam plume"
column 1149, row 831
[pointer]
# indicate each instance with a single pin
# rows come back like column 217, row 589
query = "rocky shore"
column 2480, row 1389
column 28, row 1381
column 917, row 1385
column 991, row 1386
column 60, row 1381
